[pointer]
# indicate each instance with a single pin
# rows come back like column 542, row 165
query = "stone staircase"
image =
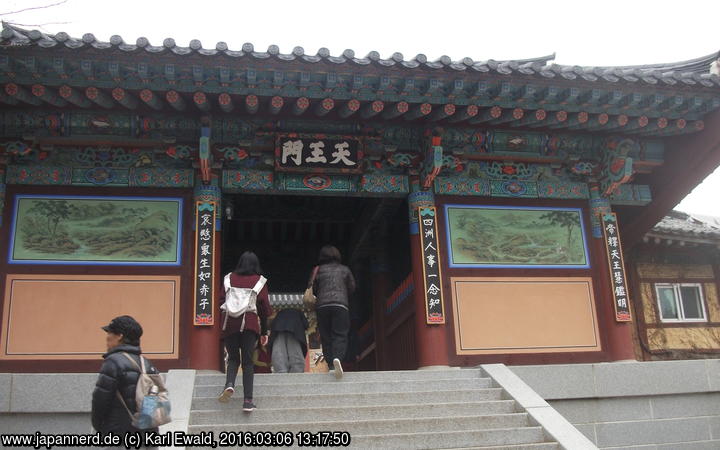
column 445, row 408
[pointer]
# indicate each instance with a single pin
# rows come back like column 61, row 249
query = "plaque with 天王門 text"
column 317, row 154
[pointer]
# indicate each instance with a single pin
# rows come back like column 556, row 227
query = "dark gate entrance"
column 287, row 232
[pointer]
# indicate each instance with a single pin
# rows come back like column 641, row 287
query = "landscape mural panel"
column 520, row 237
column 50, row 229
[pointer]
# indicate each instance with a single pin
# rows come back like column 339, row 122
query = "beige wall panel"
column 524, row 315
column 675, row 271
column 711, row 300
column 684, row 338
column 59, row 316
column 648, row 300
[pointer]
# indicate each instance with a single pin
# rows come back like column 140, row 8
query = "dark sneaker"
column 248, row 406
column 338, row 368
column 226, row 394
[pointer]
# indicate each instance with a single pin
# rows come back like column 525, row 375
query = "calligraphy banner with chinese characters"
column 434, row 310
column 204, row 262
column 617, row 267
column 319, row 155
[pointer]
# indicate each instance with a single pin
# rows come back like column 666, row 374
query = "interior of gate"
column 287, row 232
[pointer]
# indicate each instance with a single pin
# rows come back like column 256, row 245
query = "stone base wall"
column 648, row 405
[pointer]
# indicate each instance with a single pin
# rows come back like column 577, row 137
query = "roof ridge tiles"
column 690, row 72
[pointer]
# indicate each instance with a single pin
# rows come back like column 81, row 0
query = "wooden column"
column 381, row 288
column 619, row 334
column 431, row 344
column 205, row 339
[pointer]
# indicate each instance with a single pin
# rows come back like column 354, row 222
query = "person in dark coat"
column 241, row 334
column 119, row 375
column 332, row 286
column 288, row 343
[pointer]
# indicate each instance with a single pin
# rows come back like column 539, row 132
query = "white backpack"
column 238, row 301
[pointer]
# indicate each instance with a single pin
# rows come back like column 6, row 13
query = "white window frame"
column 678, row 302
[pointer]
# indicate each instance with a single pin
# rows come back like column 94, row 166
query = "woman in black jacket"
column 119, row 375
column 332, row 286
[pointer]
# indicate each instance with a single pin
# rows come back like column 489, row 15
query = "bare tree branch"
column 36, row 24
column 32, row 8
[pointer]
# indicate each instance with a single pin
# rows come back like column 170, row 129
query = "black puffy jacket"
column 117, row 374
column 333, row 285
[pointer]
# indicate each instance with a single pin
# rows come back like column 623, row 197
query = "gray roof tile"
column 690, row 72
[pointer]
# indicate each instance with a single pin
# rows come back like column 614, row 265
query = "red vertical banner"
column 204, row 294
column 616, row 264
column 434, row 309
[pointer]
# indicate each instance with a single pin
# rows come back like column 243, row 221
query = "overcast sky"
column 610, row 32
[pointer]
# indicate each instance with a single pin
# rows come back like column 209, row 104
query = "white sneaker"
column 226, row 394
column 338, row 368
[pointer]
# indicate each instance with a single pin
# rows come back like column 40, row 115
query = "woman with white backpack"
column 244, row 321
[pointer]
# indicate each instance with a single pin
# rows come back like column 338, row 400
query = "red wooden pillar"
column 381, row 288
column 430, row 340
column 205, row 339
column 619, row 334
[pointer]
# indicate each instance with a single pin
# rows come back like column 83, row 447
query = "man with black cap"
column 119, row 375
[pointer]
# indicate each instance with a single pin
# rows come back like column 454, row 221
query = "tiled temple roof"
column 681, row 224
column 695, row 72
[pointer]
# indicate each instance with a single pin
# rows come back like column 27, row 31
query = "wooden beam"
column 252, row 104
column 201, row 101
column 489, row 114
column 466, row 113
column 7, row 99
column 537, row 118
column 300, row 106
column 396, row 110
column 175, row 100
column 372, row 109
column 151, row 99
column 40, row 91
column 324, row 107
column 616, row 123
column 73, row 96
column 225, row 102
column 19, row 93
column 594, row 121
column 682, row 126
column 99, row 97
column 349, row 108
column 276, row 104
column 558, row 119
column 573, row 120
column 443, row 113
column 636, row 123
column 655, row 125
column 418, row 111
column 121, row 96
column 508, row 116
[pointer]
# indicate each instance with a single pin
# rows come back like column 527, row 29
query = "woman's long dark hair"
column 248, row 264
column 329, row 254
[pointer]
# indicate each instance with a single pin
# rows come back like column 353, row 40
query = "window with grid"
column 680, row 302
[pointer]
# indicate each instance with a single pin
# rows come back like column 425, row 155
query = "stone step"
column 381, row 426
column 510, row 438
column 349, row 400
column 535, row 446
column 499, row 439
column 270, row 415
column 218, row 378
column 333, row 386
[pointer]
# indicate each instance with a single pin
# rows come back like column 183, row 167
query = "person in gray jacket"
column 332, row 286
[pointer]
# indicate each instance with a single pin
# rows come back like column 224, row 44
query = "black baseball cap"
column 125, row 325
